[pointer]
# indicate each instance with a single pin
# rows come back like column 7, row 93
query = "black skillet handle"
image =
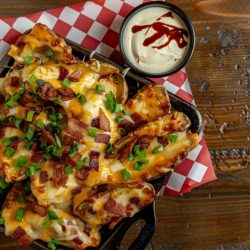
column 148, row 215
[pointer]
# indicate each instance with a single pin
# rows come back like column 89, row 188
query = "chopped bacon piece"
column 104, row 121
column 6, row 112
column 66, row 93
column 87, row 229
column 76, row 190
column 162, row 140
column 139, row 121
column 35, row 208
column 48, row 92
column 102, row 138
column 35, row 147
column 94, row 160
column 43, row 176
column 63, row 228
column 144, row 141
column 114, row 207
column 127, row 125
column 101, row 188
column 22, row 237
column 71, row 161
column 15, row 82
column 77, row 241
column 76, row 76
column 14, row 144
column 60, row 178
column 47, row 136
column 82, row 173
column 63, row 73
column 19, row 66
column 95, row 122
column 37, row 157
column 38, row 107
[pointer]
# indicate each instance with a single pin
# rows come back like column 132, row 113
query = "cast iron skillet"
column 111, row 239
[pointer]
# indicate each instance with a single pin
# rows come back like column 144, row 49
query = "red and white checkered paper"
column 95, row 25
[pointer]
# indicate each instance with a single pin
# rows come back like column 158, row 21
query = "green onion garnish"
column 30, row 133
column 68, row 170
column 59, row 99
column 139, row 165
column 60, row 221
column 56, row 151
column 100, row 88
column 158, row 149
column 9, row 152
column 59, row 116
column 92, row 132
column 85, row 160
column 21, row 161
column 47, row 156
column 19, row 214
column 126, row 112
column 22, row 84
column 48, row 53
column 1, row 118
column 28, row 59
column 131, row 157
column 32, row 169
column 119, row 119
column 108, row 148
column 3, row 183
column 125, row 174
column 53, row 243
column 1, row 220
column 6, row 141
column 47, row 223
column 32, row 79
column 39, row 123
column 52, row 215
column 81, row 98
column 58, row 141
column 9, row 104
column 29, row 116
column 19, row 123
column 16, row 97
column 117, row 108
column 173, row 138
column 136, row 149
column 52, row 117
column 21, row 199
column 66, row 82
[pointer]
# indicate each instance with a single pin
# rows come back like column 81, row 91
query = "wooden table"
column 216, row 215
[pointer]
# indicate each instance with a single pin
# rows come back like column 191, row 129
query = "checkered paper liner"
column 95, row 25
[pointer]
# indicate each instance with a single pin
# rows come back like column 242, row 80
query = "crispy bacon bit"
column 14, row 144
column 5, row 112
column 22, row 237
column 15, row 82
column 71, row 161
column 63, row 228
column 76, row 190
column 126, row 150
column 102, row 138
column 48, row 92
column 76, row 76
column 101, row 188
column 77, row 241
column 139, row 121
column 144, row 141
column 162, row 140
column 82, row 173
column 95, row 122
column 37, row 157
column 47, row 136
column 104, row 121
column 87, row 229
column 127, row 125
column 43, row 176
column 60, row 178
column 63, row 73
column 94, row 160
column 114, row 207
column 2, row 99
column 19, row 66
column 66, row 93
column 35, row 147
column 35, row 208
column 38, row 107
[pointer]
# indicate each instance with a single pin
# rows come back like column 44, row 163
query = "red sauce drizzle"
column 163, row 29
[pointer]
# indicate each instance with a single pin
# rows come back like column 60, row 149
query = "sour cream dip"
column 155, row 40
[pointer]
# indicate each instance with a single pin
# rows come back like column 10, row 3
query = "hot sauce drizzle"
column 163, row 29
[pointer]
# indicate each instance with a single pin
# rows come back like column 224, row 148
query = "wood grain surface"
column 215, row 215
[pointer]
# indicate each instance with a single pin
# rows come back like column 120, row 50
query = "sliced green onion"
column 28, row 145
column 19, row 123
column 172, row 109
column 59, row 116
column 72, row 153
column 7, row 97
column 110, row 97
column 58, row 141
column 16, row 97
column 1, row 118
column 81, row 98
column 39, row 123
column 108, row 148
column 30, row 115
column 85, row 160
column 56, row 151
column 136, row 149
column 173, row 138
column 28, row 60
column 33, row 169
column 53, row 243
column 79, row 164
column 59, row 99
column 30, row 133
column 68, row 169
column 60, row 221
column 139, row 165
column 119, row 119
column 32, row 79
column 126, row 112
column 21, row 198
column 117, row 108
column 3, row 183
column 9, row 104
column 66, row 82
column 47, row 156
column 125, row 174
column 92, row 132
column 158, row 149
column 22, row 84
column 48, row 53
column 9, row 152
column 52, row 117
column 6, row 141
column 131, row 157
column 52, row 215
column 1, row 220
column 47, row 223
column 21, row 161
column 100, row 88
column 19, row 214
